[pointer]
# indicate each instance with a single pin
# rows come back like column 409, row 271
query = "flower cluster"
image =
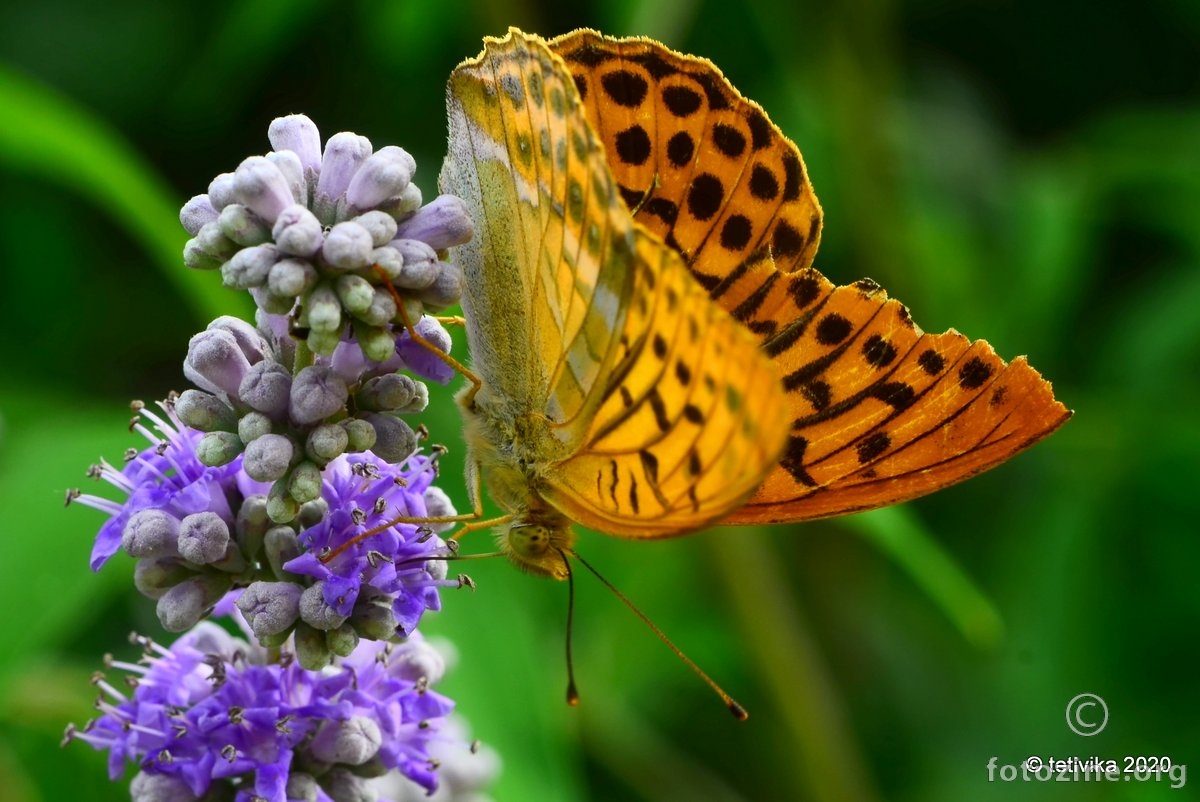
column 288, row 491
column 214, row 710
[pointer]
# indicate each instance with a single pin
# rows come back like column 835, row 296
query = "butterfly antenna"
column 736, row 709
column 572, row 690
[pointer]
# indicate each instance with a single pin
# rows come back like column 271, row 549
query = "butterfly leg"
column 451, row 320
column 454, row 364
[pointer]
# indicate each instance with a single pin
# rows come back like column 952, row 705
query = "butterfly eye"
column 529, row 541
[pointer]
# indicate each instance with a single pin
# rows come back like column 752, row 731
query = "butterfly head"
column 538, row 541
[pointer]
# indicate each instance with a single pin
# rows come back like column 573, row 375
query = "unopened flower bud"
column 252, row 426
column 251, row 525
column 444, row 222
column 383, row 175
column 248, row 338
column 355, row 292
column 195, row 258
column 323, row 343
column 324, row 309
column 347, row 246
column 220, row 191
column 395, row 440
column 360, row 434
column 260, row 185
column 205, row 412
column 342, row 640
column 270, row 607
column 385, row 393
column 317, row 392
column 374, row 620
column 243, row 226
column 380, row 225
column 350, row 742
column 153, row 577
column 439, row 505
column 297, row 133
column 298, row 232
column 311, row 650
column 381, row 311
column 388, row 260
column 289, row 164
column 315, row 612
column 249, row 267
column 344, row 154
column 203, row 538
column 446, row 290
column 218, row 448
column 403, row 206
column 211, row 240
column 290, row 278
column 181, row 607
column 421, row 265
column 268, row 457
column 280, row 545
column 271, row 303
column 198, row 211
column 312, row 513
column 304, row 484
column 267, row 387
column 415, row 660
column 150, row 533
column 146, row 787
column 301, row 786
column 326, row 442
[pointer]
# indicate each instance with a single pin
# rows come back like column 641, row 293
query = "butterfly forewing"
column 548, row 273
column 704, row 168
column 693, row 415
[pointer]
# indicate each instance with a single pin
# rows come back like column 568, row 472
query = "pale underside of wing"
column 693, row 414
column 548, row 274
column 882, row 412
column 704, row 167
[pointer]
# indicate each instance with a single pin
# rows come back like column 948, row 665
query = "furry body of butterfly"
column 646, row 374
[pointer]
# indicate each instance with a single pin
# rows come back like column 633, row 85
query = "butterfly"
column 654, row 351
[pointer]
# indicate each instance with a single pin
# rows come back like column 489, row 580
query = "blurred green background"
column 1025, row 172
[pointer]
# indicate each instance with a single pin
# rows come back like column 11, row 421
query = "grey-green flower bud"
column 280, row 545
column 326, row 442
column 145, row 787
column 355, row 292
column 419, row 402
column 342, row 641
column 290, row 278
column 350, row 742
column 311, row 650
column 360, row 433
column 415, row 660
column 182, row 607
column 385, row 393
column 315, row 612
column 301, row 786
column 382, row 309
column 153, row 577
column 252, row 426
column 421, row 265
column 404, row 205
column 312, row 513
column 380, row 225
column 195, row 258
column 215, row 361
column 203, row 538
column 387, row 259
column 271, row 303
column 324, row 309
column 298, row 232
column 323, row 343
column 211, row 240
column 259, row 184
column 395, row 440
column 317, row 392
column 243, row 226
column 347, row 246
column 150, row 533
column 218, row 448
column 249, row 267
column 268, row 457
column 205, row 412
column 251, row 525
column 267, row 388
column 374, row 620
column 304, row 483
column 378, row 343
column 270, row 607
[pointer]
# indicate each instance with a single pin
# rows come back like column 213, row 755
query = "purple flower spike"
column 211, row 717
